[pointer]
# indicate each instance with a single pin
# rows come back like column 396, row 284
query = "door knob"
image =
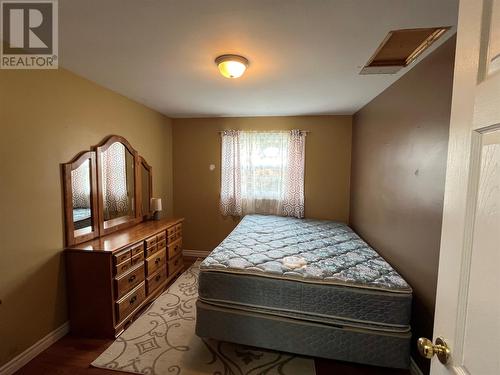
column 427, row 349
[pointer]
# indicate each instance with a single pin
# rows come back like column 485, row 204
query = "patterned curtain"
column 80, row 185
column 230, row 196
column 293, row 198
column 263, row 172
column 114, row 175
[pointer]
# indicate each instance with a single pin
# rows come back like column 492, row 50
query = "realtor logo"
column 29, row 34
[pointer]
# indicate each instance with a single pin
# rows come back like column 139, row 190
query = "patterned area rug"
column 162, row 341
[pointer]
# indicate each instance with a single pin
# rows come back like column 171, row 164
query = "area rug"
column 162, row 341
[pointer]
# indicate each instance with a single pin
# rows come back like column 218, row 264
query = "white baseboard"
column 414, row 369
column 195, row 253
column 22, row 359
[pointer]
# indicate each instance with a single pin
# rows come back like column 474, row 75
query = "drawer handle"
column 133, row 299
column 124, row 267
column 158, row 277
column 157, row 260
column 176, row 262
column 131, row 278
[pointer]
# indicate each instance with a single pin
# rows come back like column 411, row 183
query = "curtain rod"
column 265, row 131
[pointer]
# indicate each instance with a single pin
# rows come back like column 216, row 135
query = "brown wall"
column 46, row 117
column 196, row 188
column 398, row 170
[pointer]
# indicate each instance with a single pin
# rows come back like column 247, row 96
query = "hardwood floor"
column 329, row 367
column 72, row 356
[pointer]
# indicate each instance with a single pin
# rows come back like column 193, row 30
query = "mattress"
column 314, row 268
column 252, row 328
column 80, row 214
column 82, row 218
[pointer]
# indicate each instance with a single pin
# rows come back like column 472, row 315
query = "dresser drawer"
column 129, row 280
column 123, row 267
column 161, row 236
column 130, row 302
column 178, row 231
column 175, row 265
column 121, row 256
column 136, row 259
column 154, row 281
column 174, row 249
column 155, row 262
column 151, row 250
column 171, row 232
column 151, row 241
column 137, row 249
column 162, row 244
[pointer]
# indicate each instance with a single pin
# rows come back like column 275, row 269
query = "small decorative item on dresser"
column 156, row 208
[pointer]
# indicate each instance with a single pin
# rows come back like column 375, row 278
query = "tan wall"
column 196, row 188
column 398, row 170
column 46, row 117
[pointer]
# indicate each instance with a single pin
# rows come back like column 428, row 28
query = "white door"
column 468, row 296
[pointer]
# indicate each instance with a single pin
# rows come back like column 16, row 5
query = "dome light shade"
column 231, row 66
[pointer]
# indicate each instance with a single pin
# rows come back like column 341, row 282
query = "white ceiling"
column 305, row 55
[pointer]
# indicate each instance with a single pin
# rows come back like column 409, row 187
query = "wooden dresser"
column 112, row 277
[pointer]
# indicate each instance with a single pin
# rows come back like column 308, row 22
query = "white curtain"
column 263, row 172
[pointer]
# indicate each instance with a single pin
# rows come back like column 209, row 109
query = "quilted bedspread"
column 307, row 250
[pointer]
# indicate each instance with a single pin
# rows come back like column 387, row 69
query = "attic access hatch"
column 400, row 48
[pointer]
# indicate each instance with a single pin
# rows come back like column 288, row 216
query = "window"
column 263, row 172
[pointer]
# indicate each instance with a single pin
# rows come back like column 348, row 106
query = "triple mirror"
column 105, row 189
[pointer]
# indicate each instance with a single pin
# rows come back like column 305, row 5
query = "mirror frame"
column 96, row 192
column 142, row 162
column 73, row 238
column 121, row 222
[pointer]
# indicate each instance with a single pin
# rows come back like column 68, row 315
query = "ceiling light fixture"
column 231, row 66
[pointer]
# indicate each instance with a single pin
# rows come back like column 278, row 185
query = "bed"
column 311, row 287
column 82, row 218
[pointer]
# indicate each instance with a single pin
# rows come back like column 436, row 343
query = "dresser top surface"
column 125, row 237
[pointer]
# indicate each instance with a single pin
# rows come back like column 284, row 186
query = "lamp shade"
column 156, row 204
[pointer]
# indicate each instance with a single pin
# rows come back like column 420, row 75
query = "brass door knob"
column 427, row 349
